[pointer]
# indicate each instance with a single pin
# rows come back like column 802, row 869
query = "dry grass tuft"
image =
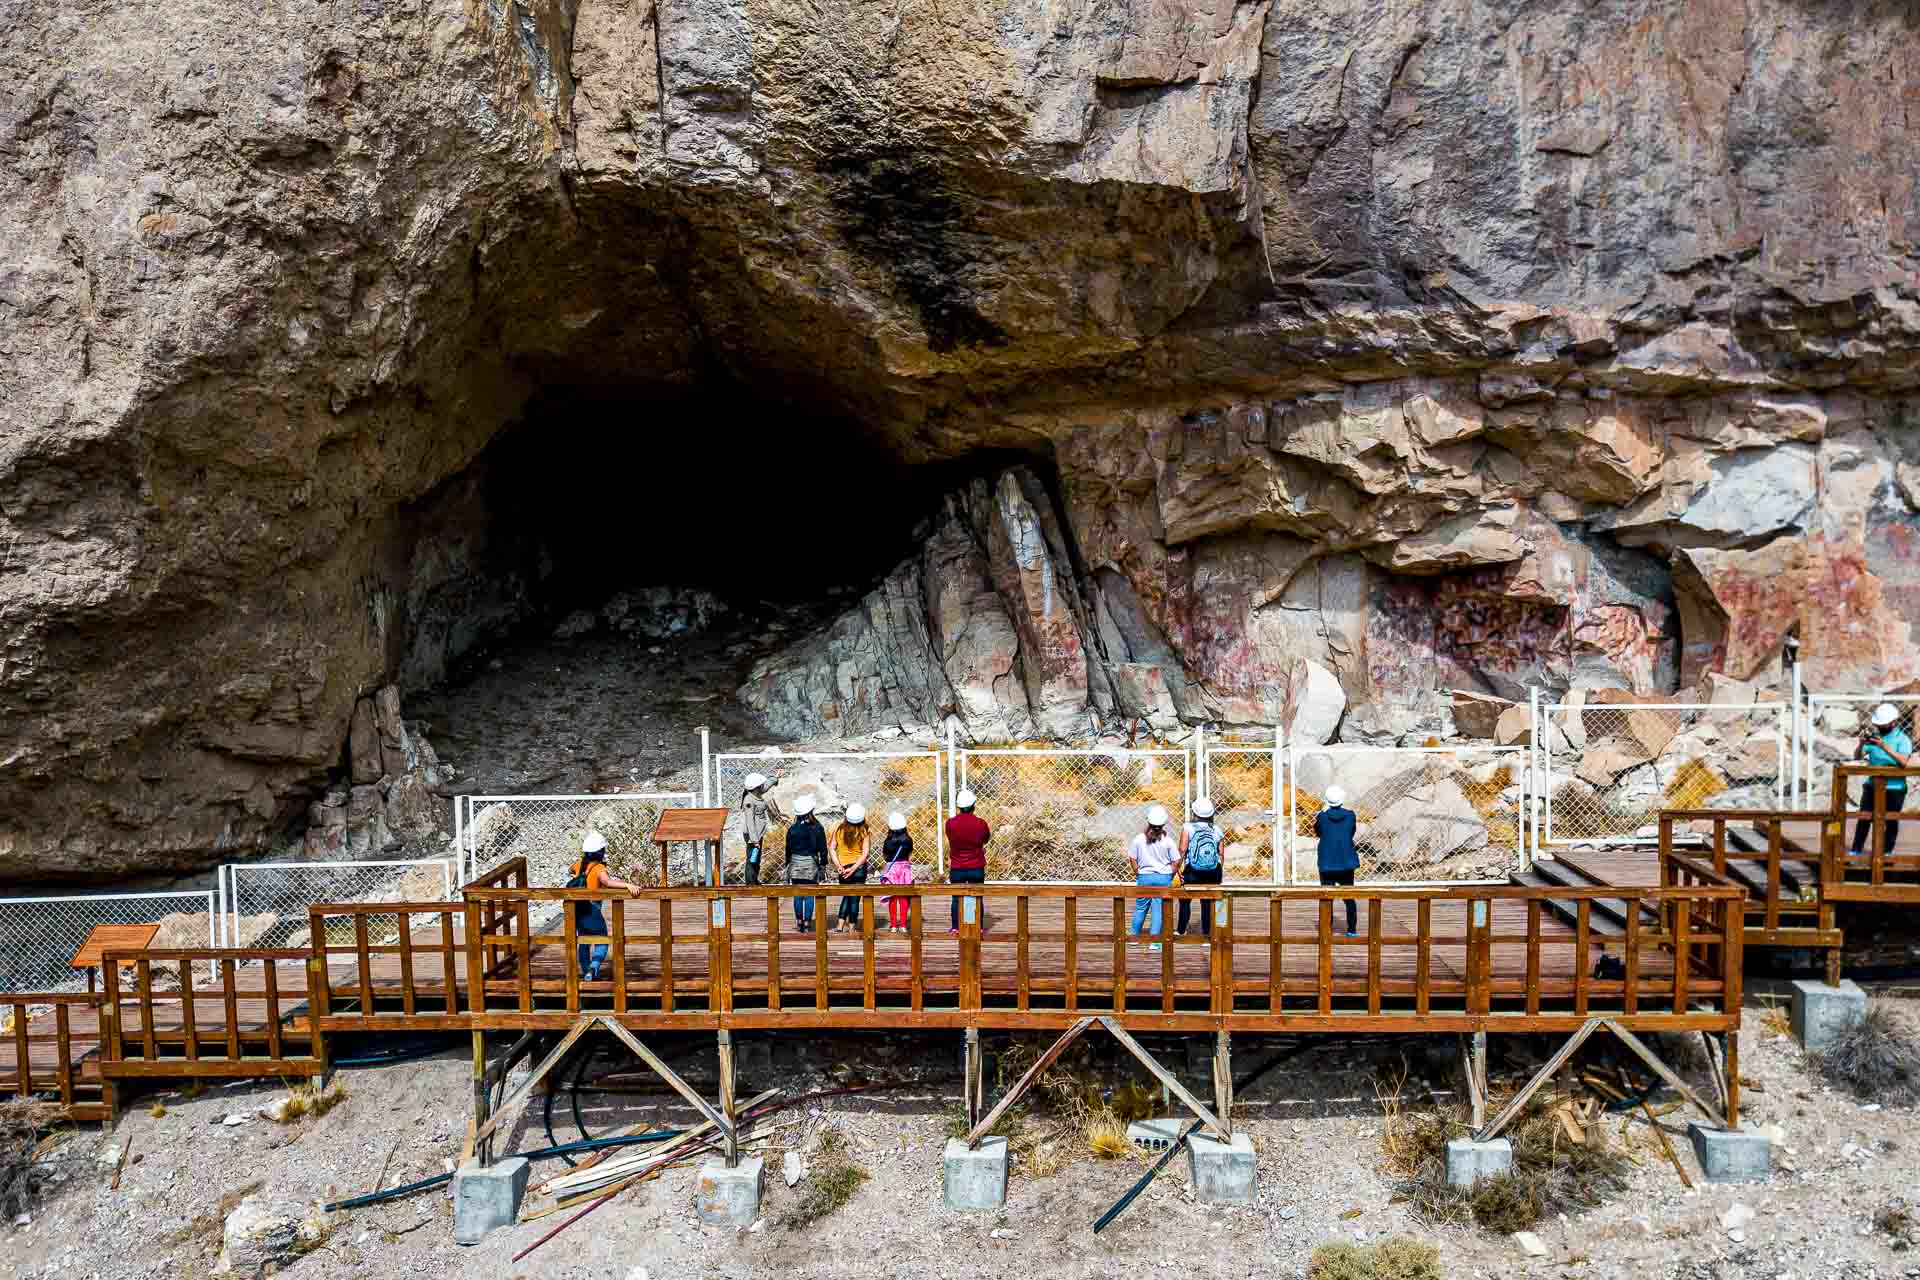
column 1395, row 1258
column 309, row 1100
column 1777, row 1021
column 1107, row 1138
column 831, row 1181
column 1551, row 1174
column 206, row 1229
column 1876, row 1058
column 157, row 1110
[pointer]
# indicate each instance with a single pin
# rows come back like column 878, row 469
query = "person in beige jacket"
column 758, row 812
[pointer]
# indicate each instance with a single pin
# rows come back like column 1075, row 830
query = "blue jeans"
column 593, row 955
column 803, row 910
column 1143, row 907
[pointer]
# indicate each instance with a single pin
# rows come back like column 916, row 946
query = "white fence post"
column 1282, row 848
column 706, row 768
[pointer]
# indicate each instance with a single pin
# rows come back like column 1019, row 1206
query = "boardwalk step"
column 1566, row 910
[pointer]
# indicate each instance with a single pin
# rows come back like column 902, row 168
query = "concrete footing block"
column 724, row 1197
column 1222, row 1172
column 976, row 1177
column 1731, row 1155
column 486, row 1198
column 1821, row 1013
column 1469, row 1161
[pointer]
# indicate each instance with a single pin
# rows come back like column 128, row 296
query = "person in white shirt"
column 1152, row 854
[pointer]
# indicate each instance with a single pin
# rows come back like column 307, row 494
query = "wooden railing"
column 1784, row 903
column 218, row 1028
column 1862, row 877
column 1424, row 959
column 74, row 1032
column 410, row 975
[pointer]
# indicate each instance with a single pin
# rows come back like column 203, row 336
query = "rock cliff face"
column 1429, row 344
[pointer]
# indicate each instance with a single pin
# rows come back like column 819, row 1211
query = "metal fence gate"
column 907, row 782
column 1831, row 727
column 1066, row 816
column 546, row 830
column 1607, row 769
column 39, row 936
column 1245, row 781
column 266, row 902
column 1426, row 814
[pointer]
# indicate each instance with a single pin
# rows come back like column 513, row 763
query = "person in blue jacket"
column 1335, row 825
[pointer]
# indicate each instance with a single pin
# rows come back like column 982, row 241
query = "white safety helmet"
column 1157, row 816
column 593, row 842
column 1203, row 808
column 1336, row 795
column 1884, row 716
column 965, row 800
column 856, row 813
column 896, row 821
column 755, row 781
column 804, row 805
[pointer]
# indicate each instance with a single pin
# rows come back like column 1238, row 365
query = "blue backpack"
column 1203, row 847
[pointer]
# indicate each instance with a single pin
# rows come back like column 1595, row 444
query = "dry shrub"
column 1065, row 1116
column 157, row 1110
column 207, row 1229
column 1395, row 1258
column 831, row 1181
column 22, row 1120
column 1551, row 1173
column 1776, row 1021
column 1875, row 1059
column 1896, row 1221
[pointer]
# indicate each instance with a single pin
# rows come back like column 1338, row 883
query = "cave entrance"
column 603, row 576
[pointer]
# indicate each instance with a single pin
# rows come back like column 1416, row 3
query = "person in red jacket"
column 967, row 838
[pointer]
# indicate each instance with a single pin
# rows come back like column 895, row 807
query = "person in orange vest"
column 589, row 920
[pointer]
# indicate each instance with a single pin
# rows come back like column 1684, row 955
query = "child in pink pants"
column 898, row 852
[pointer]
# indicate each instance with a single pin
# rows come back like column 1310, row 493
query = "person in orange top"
column 849, row 845
column 589, row 920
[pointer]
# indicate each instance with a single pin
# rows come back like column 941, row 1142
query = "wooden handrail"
column 1091, row 889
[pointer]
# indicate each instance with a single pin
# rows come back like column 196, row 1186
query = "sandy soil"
column 1316, row 1125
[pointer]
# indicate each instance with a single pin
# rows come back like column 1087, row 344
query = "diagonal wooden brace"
column 666, row 1073
column 513, row 1100
column 1665, row 1072
column 1167, row 1079
column 1025, row 1082
column 1540, row 1077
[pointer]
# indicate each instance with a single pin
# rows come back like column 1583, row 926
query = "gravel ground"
column 1315, row 1122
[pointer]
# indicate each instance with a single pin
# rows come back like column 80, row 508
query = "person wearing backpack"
column 1199, row 862
column 806, row 855
column 589, row 919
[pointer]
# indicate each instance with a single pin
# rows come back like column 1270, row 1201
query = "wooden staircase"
column 1606, row 917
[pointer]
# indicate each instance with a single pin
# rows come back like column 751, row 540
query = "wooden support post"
column 1480, row 1065
column 727, row 1107
column 1223, row 1078
column 1476, row 1100
column 974, row 1074
column 480, row 1118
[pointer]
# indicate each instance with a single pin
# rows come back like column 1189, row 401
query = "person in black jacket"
column 1339, row 859
column 806, row 855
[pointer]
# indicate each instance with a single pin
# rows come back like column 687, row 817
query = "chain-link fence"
column 1243, row 781
column 546, row 831
column 1068, row 815
column 1608, row 769
column 39, row 936
column 1423, row 814
column 266, row 902
column 884, row 782
column 1832, row 729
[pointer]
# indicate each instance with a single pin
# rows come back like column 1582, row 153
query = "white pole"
column 1200, row 746
column 706, row 763
column 1281, row 848
column 459, row 834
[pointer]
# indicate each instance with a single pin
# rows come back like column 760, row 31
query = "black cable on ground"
column 582, row 1057
column 563, row 1150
